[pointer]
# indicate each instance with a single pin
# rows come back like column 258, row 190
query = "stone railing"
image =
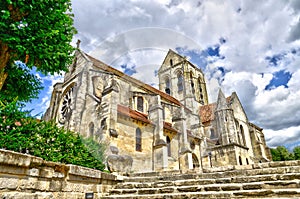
column 26, row 176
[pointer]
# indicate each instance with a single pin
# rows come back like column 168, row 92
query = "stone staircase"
column 264, row 180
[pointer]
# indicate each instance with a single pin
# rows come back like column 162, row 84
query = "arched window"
column 169, row 146
column 91, row 129
column 195, row 161
column 138, row 139
column 243, row 135
column 180, row 82
column 140, row 104
column 167, row 89
column 192, row 82
column 213, row 134
column 103, row 124
column 200, row 89
column 171, row 62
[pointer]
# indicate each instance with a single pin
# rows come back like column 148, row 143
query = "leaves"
column 20, row 83
column 41, row 29
column 21, row 133
column 281, row 154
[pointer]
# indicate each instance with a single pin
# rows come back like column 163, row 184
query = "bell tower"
column 183, row 80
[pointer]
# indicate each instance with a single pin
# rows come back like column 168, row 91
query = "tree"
column 281, row 154
column 37, row 33
column 20, row 84
column 296, row 151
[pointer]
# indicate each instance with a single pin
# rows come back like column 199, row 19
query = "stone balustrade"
column 24, row 176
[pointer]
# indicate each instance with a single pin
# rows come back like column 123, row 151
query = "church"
column 146, row 129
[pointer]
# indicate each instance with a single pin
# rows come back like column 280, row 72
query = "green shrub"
column 21, row 133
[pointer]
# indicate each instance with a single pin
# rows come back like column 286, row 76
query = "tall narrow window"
column 200, row 89
column 169, row 146
column 171, row 62
column 167, row 90
column 240, row 160
column 192, row 82
column 243, row 135
column 180, row 82
column 91, row 129
column 140, row 104
column 138, row 139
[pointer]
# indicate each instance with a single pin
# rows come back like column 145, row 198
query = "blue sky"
column 251, row 47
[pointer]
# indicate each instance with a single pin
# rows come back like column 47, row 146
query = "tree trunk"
column 4, row 59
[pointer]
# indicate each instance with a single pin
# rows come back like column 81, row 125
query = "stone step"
column 173, row 187
column 222, row 180
column 263, row 193
column 235, row 168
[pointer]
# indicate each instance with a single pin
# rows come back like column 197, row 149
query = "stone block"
column 119, row 163
column 189, row 188
column 147, row 191
column 166, row 190
column 10, row 183
column 252, row 186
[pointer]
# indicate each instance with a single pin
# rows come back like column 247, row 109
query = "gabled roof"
column 139, row 83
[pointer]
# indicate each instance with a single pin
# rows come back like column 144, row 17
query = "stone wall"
column 28, row 177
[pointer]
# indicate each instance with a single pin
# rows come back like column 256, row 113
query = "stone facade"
column 173, row 128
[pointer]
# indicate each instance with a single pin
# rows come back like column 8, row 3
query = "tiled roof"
column 168, row 126
column 141, row 84
column 126, row 111
column 207, row 112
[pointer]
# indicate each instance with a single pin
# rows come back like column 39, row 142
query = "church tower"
column 225, row 123
column 181, row 79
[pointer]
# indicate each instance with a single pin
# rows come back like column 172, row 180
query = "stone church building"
column 147, row 129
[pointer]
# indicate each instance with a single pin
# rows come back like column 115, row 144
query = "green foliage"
column 20, row 84
column 281, row 154
column 296, row 152
column 21, row 133
column 38, row 32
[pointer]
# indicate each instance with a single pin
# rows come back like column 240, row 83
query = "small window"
column 192, row 145
column 180, row 82
column 247, row 161
column 91, row 129
column 140, row 104
column 240, row 160
column 171, row 62
column 167, row 89
column 103, row 124
column 138, row 139
column 169, row 146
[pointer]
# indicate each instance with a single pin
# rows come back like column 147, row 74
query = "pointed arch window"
column 180, row 81
column 192, row 82
column 138, row 139
column 91, row 129
column 140, row 104
column 243, row 135
column 169, row 146
column 167, row 89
